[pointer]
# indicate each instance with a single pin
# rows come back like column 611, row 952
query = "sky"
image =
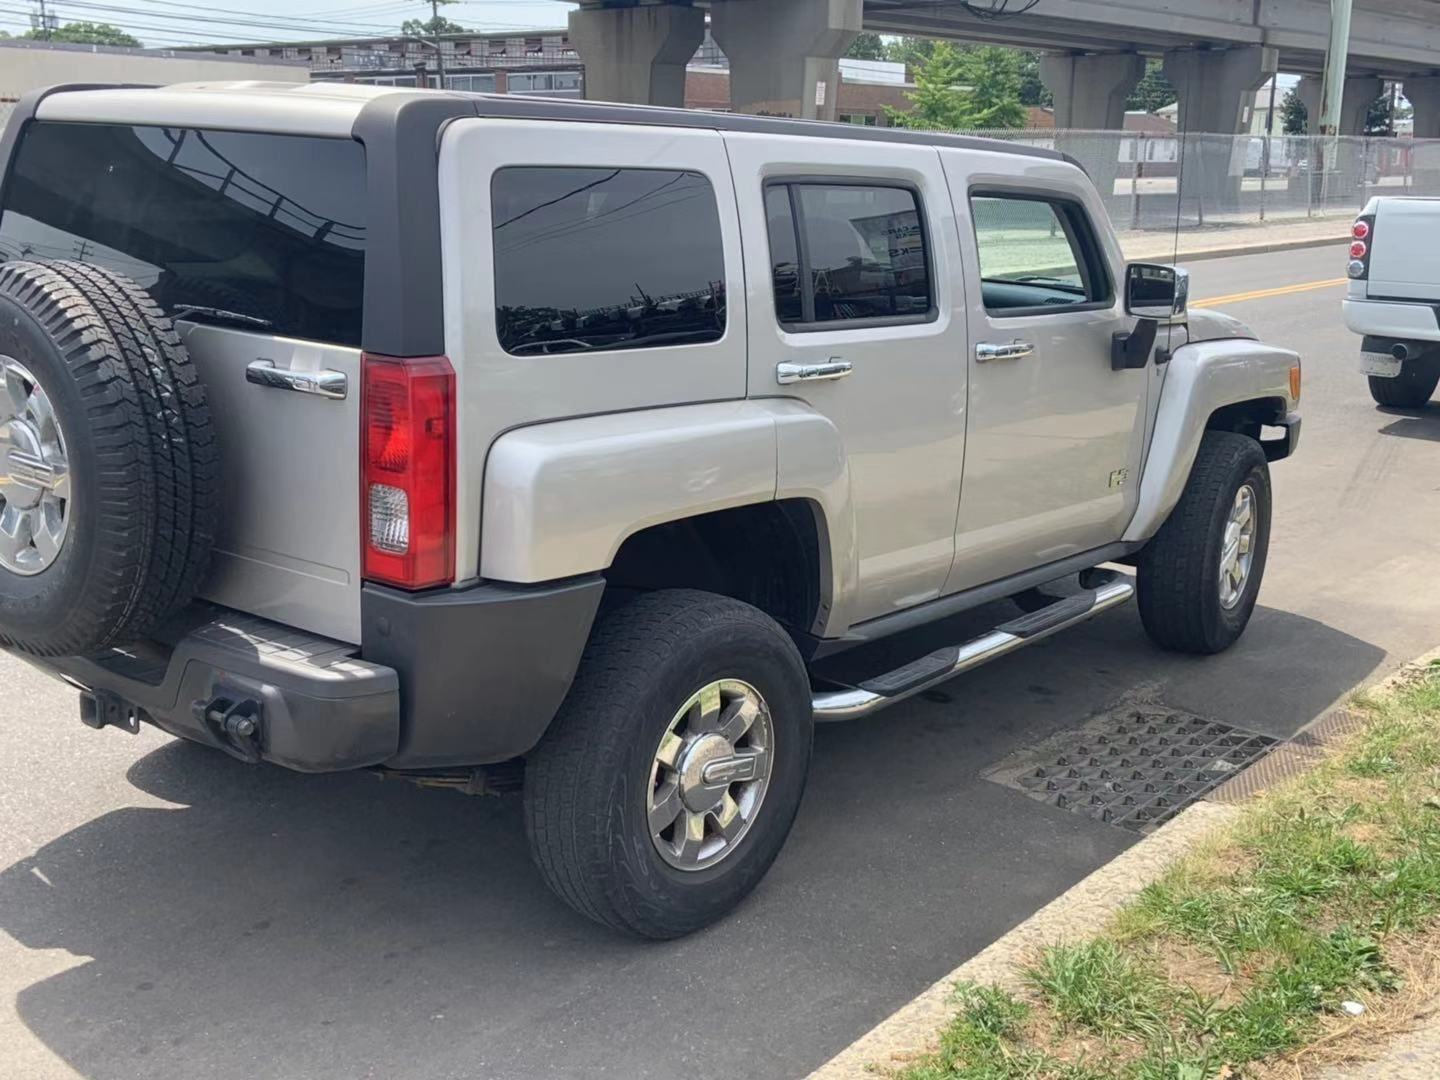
column 159, row 23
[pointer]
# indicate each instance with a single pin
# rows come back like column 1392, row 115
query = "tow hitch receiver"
column 235, row 723
column 101, row 708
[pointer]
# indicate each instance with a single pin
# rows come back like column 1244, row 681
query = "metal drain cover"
column 1135, row 767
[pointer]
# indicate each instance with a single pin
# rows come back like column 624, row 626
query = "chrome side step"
column 872, row 695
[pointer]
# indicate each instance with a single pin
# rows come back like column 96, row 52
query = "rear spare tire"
column 107, row 461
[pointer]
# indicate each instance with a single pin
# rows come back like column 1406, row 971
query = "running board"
column 872, row 695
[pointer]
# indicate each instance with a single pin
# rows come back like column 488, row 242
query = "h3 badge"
column 1118, row 477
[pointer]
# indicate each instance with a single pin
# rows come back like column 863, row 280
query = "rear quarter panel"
column 498, row 391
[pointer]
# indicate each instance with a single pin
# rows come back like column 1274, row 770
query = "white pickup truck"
column 1394, row 299
column 472, row 438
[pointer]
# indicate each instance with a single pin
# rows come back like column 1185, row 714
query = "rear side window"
column 268, row 229
column 847, row 253
column 594, row 259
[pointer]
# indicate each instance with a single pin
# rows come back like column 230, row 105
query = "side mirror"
column 1155, row 291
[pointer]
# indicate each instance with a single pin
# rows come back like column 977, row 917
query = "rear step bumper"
column 250, row 687
column 875, row 694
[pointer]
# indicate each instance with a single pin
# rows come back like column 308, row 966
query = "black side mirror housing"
column 1154, row 293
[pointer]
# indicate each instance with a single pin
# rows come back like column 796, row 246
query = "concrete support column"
column 1214, row 86
column 1423, row 93
column 785, row 54
column 1424, row 96
column 637, row 54
column 1090, row 91
column 1090, row 94
column 1338, row 171
column 1360, row 93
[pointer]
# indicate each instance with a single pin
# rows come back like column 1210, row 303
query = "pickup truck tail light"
column 1362, row 241
column 407, row 470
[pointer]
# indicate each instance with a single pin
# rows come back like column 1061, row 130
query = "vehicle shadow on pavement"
column 1414, row 423
column 271, row 924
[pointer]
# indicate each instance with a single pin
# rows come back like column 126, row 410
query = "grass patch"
column 1237, row 961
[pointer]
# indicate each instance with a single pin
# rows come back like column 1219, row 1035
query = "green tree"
column 910, row 51
column 1378, row 118
column 1153, row 91
column 1293, row 113
column 1032, row 90
column 866, row 47
column 959, row 89
column 86, row 33
column 994, row 75
column 431, row 27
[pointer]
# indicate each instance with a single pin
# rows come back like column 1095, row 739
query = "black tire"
column 142, row 459
column 587, row 784
column 1178, row 572
column 1411, row 389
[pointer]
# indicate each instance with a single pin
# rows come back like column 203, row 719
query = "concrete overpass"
column 784, row 53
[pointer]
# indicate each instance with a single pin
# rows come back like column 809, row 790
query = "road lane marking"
column 1260, row 294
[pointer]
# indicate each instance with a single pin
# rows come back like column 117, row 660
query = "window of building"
column 590, row 259
column 477, row 84
column 859, row 119
column 847, row 252
column 271, row 227
column 1036, row 253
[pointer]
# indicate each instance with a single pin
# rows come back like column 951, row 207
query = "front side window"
column 1036, row 253
column 588, row 259
column 847, row 253
column 266, row 230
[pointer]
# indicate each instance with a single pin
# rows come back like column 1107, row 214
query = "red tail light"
column 407, row 470
column 1361, row 247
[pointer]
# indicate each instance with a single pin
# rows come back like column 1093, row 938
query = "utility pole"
column 1332, row 87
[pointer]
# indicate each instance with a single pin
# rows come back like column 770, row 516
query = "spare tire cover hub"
column 34, row 474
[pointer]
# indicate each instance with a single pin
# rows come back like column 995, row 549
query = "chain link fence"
column 1160, row 181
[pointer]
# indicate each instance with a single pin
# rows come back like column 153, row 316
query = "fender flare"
column 1202, row 377
column 561, row 497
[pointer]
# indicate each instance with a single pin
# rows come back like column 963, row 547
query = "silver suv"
column 491, row 441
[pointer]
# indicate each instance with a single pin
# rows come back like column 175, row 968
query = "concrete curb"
column 1086, row 907
column 1255, row 249
column 1072, row 916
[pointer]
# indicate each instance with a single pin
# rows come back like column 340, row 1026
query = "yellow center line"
column 1260, row 294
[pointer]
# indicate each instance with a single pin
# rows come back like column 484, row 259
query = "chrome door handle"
column 1015, row 350
column 834, row 368
column 326, row 384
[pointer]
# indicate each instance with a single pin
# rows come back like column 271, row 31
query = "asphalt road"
column 168, row 913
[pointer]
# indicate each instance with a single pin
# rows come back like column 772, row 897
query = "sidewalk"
column 1413, row 1056
column 1213, row 242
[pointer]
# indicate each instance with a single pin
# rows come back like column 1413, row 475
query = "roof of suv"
column 332, row 108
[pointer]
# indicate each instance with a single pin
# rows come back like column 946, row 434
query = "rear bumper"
column 447, row 678
column 1402, row 320
column 313, row 703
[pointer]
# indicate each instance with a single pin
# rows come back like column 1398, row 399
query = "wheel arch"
column 770, row 555
column 1224, row 385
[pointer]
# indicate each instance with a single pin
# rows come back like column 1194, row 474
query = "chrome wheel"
column 1237, row 548
column 710, row 774
column 34, row 474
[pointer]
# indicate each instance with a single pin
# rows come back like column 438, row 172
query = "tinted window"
column 1034, row 252
column 267, row 226
column 784, row 261
column 589, row 259
column 861, row 252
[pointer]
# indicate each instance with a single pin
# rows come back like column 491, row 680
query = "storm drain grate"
column 1138, row 768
